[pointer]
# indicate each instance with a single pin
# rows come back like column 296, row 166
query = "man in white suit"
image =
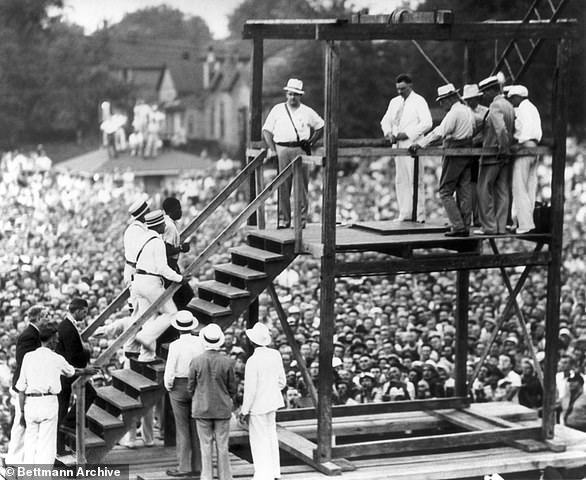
column 264, row 378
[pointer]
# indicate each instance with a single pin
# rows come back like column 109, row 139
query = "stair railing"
column 219, row 199
column 294, row 168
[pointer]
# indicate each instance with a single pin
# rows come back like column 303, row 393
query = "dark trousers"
column 493, row 195
column 456, row 178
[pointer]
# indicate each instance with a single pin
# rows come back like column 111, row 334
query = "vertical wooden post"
column 80, row 421
column 255, row 108
column 559, row 118
column 463, row 281
column 297, row 189
column 328, row 261
column 415, row 187
column 469, row 73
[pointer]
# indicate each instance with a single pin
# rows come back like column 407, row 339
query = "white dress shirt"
column 410, row 116
column 458, row 124
column 134, row 237
column 527, row 122
column 153, row 259
column 264, row 378
column 181, row 352
column 41, row 372
column 279, row 124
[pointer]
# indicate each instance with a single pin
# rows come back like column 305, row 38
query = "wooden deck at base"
column 151, row 463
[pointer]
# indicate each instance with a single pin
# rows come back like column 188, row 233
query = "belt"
column 288, row 144
column 132, row 264
column 131, row 354
column 144, row 272
column 39, row 394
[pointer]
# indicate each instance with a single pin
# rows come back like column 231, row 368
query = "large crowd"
column 394, row 335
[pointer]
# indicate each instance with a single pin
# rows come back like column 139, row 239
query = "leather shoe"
column 283, row 226
column 457, row 233
column 177, row 473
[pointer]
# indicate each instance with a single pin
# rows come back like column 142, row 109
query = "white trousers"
column 524, row 191
column 147, row 289
column 404, row 174
column 264, row 446
column 15, row 454
column 40, row 437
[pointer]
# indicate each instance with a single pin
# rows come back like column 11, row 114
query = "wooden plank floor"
column 151, row 463
column 352, row 239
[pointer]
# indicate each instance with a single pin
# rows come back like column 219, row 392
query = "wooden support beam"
column 552, row 323
column 293, row 343
column 303, row 449
column 439, row 264
column 375, row 408
column 255, row 126
column 452, row 440
column 410, row 31
column 463, row 281
column 328, row 261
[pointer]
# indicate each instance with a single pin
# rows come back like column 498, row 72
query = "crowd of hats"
column 62, row 237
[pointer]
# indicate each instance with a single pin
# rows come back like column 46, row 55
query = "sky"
column 91, row 13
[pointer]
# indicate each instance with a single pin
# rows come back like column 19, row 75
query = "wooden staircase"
column 133, row 391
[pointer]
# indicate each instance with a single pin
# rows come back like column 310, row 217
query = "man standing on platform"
column 455, row 131
column 212, row 382
column 28, row 341
column 493, row 177
column 264, row 378
column 406, row 120
column 181, row 352
column 134, row 237
column 290, row 130
column 527, row 135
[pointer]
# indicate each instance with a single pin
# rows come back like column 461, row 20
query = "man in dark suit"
column 71, row 346
column 28, row 341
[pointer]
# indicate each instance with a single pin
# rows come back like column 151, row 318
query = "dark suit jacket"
column 27, row 341
column 70, row 345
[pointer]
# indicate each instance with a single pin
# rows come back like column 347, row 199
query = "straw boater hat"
column 259, row 334
column 445, row 91
column 488, row 82
column 294, row 85
column 519, row 90
column 154, row 218
column 212, row 336
column 471, row 91
column 138, row 208
column 184, row 321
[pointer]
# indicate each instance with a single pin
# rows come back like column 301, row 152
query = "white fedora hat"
column 294, row 85
column 519, row 90
column 471, row 91
column 212, row 336
column 445, row 91
column 259, row 334
column 184, row 321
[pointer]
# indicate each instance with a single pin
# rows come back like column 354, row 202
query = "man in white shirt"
column 290, row 130
column 181, row 352
column 511, row 381
column 455, row 130
column 38, row 385
column 527, row 134
column 264, row 378
column 406, row 120
column 148, row 285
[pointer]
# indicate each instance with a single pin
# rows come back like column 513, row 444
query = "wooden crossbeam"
column 452, row 440
column 375, row 408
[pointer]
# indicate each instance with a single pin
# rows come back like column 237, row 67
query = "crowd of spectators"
column 394, row 335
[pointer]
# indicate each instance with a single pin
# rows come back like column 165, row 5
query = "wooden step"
column 90, row 439
column 208, row 308
column 256, row 254
column 223, row 289
column 240, row 271
column 118, row 398
column 285, row 236
column 134, row 380
column 104, row 419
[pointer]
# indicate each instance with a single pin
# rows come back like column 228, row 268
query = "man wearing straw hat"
column 134, row 236
column 212, row 384
column 290, row 129
column 455, row 131
column 181, row 352
column 151, row 270
column 264, row 378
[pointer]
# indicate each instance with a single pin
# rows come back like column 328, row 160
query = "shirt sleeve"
column 169, row 375
column 281, row 377
column 386, row 122
column 67, row 370
column 250, row 386
column 21, row 382
column 424, row 121
column 161, row 262
column 269, row 124
column 315, row 121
